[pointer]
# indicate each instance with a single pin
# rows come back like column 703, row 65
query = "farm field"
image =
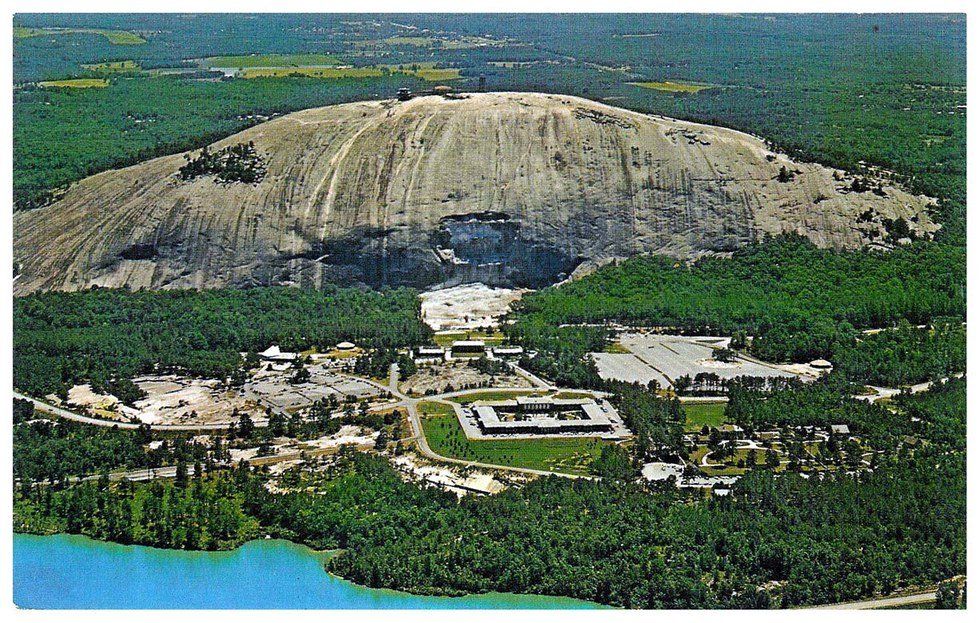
column 113, row 66
column 422, row 42
column 76, row 83
column 445, row 437
column 311, row 72
column 116, row 37
column 427, row 74
column 673, row 87
column 434, row 74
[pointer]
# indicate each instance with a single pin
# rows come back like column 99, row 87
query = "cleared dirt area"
column 467, row 306
column 100, row 405
column 176, row 400
column 455, row 376
column 173, row 399
column 273, row 388
column 461, row 481
column 664, row 358
column 348, row 435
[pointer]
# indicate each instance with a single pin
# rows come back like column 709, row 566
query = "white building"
column 274, row 354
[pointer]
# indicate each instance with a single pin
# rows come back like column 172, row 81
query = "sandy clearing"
column 467, row 306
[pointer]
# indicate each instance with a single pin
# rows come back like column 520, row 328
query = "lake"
column 66, row 571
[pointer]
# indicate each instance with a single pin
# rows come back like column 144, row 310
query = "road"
column 44, row 407
column 418, row 434
column 149, row 473
column 402, row 401
column 891, row 392
column 884, row 602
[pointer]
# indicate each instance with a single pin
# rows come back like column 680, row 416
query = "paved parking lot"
column 664, row 358
column 274, row 388
column 627, row 367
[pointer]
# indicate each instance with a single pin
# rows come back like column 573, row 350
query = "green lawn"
column 616, row 347
column 700, row 414
column 496, row 394
column 447, row 338
column 566, row 395
column 446, row 437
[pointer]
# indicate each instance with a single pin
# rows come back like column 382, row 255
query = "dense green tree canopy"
column 63, row 338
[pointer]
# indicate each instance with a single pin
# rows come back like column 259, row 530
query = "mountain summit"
column 505, row 188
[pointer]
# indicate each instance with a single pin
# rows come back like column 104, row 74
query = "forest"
column 861, row 92
column 778, row 541
column 879, row 95
column 103, row 334
column 798, row 302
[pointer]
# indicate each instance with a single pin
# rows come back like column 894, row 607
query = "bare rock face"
column 512, row 189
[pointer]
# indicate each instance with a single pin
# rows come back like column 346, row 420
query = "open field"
column 710, row 414
column 113, row 66
column 271, row 60
column 445, row 437
column 76, row 83
column 434, row 74
column 422, row 42
column 311, row 72
column 427, row 74
column 673, row 87
column 116, row 37
column 427, row 70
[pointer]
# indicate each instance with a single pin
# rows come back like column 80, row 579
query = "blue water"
column 66, row 571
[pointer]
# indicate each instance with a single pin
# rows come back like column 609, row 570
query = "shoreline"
column 322, row 557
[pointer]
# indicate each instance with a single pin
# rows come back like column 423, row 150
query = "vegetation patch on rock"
column 237, row 163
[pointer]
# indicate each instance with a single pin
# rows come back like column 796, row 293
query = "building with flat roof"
column 541, row 416
column 429, row 354
column 468, row 347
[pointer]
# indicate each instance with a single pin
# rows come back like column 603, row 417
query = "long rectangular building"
column 537, row 415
